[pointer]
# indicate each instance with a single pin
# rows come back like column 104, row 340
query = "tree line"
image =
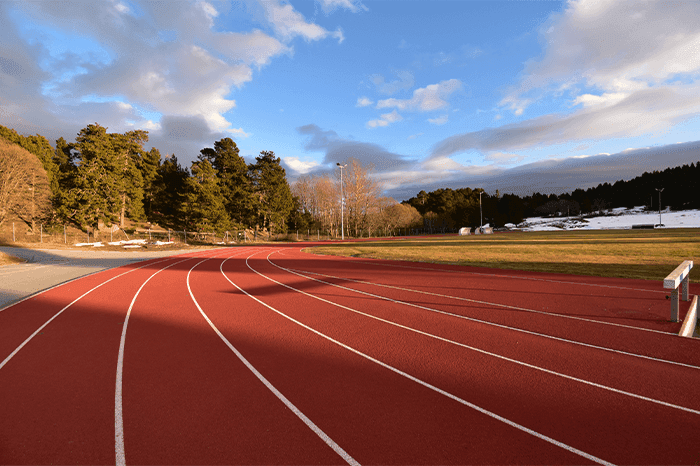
column 102, row 179
column 453, row 208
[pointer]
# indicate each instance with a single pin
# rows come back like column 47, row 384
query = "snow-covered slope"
column 617, row 218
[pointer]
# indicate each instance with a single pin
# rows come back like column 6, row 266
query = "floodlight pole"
column 660, row 190
column 342, row 203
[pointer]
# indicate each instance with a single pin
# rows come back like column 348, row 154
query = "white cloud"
column 299, row 166
column 441, row 120
column 385, row 120
column 502, row 158
column 329, row 6
column 238, row 132
column 643, row 112
column 169, row 58
column 617, row 48
column 425, row 99
column 289, row 23
column 363, row 102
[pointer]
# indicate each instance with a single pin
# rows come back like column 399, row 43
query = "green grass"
column 643, row 254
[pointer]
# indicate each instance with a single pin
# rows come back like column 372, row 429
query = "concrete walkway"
column 45, row 268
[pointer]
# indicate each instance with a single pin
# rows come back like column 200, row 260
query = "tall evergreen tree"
column 108, row 185
column 170, row 192
column 149, row 165
column 274, row 197
column 204, row 207
column 234, row 182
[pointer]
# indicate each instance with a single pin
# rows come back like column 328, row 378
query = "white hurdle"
column 691, row 320
column 678, row 277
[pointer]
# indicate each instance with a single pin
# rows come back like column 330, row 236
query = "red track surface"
column 273, row 356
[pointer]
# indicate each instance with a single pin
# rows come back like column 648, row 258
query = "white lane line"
column 506, row 306
column 7, row 359
column 423, row 383
column 118, row 408
column 488, row 353
column 508, row 277
column 516, row 329
column 309, row 423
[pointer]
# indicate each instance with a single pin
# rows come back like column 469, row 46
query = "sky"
column 514, row 96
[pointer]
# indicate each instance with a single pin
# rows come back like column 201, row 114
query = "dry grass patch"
column 6, row 259
column 612, row 253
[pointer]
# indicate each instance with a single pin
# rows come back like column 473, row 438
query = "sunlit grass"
column 644, row 254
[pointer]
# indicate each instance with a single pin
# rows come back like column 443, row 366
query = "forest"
column 102, row 180
column 449, row 208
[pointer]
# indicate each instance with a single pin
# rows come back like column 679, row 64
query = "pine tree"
column 108, row 185
column 149, row 165
column 274, row 198
column 169, row 194
column 234, row 182
column 204, row 207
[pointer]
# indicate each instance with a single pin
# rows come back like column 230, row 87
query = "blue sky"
column 515, row 96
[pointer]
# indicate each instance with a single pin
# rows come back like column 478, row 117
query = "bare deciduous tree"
column 24, row 185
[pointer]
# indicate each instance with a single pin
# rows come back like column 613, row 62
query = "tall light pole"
column 342, row 203
column 660, row 190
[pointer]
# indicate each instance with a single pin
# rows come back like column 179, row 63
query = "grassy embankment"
column 9, row 260
column 643, row 254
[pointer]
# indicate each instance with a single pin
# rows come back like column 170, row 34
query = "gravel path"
column 45, row 268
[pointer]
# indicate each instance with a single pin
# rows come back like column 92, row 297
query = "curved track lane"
column 272, row 356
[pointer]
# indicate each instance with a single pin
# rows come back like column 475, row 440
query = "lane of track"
column 187, row 398
column 665, row 422
column 220, row 365
column 532, row 313
column 376, row 415
column 57, row 386
column 658, row 379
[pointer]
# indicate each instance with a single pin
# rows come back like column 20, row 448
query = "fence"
column 16, row 232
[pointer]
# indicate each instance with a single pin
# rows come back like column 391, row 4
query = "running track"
column 267, row 355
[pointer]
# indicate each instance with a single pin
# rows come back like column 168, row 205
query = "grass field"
column 643, row 254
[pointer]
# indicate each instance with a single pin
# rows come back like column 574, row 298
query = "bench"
column 679, row 277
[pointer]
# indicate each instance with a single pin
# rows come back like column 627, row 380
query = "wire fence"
column 67, row 235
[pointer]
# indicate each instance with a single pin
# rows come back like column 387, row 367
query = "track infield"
column 268, row 355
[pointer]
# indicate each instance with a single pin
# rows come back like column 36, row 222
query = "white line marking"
column 7, row 359
column 423, row 383
column 322, row 435
column 488, row 353
column 602, row 322
column 118, row 411
column 299, row 273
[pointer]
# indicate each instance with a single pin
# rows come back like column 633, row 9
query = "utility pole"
column 342, row 203
column 660, row 190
